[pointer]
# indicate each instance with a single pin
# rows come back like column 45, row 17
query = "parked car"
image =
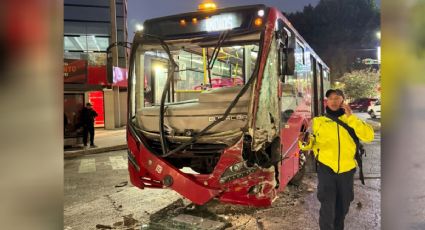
column 375, row 109
column 362, row 104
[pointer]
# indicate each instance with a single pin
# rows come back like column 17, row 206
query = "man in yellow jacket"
column 334, row 150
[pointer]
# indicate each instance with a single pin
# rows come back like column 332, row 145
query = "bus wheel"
column 297, row 179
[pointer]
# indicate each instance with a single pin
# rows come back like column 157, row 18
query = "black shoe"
column 93, row 146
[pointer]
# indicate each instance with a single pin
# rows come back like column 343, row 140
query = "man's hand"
column 347, row 109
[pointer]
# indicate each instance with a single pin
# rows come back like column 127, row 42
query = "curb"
column 77, row 153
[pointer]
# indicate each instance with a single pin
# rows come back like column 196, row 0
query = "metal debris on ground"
column 122, row 184
column 129, row 220
column 195, row 222
column 359, row 205
column 183, row 215
column 101, row 226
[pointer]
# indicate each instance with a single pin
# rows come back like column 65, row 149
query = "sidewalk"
column 106, row 140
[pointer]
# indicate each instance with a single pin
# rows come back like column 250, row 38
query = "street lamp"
column 378, row 35
column 337, row 84
column 139, row 27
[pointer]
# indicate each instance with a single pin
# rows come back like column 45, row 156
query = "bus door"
column 316, row 87
column 321, row 91
column 289, row 120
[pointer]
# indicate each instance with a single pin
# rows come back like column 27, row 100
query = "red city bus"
column 217, row 99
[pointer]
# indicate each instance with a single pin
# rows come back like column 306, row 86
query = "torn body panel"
column 268, row 117
column 228, row 137
column 255, row 188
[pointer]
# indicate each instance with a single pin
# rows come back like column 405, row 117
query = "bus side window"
column 299, row 54
column 289, row 98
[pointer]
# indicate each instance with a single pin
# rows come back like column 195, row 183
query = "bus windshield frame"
column 153, row 48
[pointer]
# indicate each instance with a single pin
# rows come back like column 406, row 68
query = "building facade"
column 90, row 26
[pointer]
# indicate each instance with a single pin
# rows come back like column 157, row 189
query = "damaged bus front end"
column 204, row 112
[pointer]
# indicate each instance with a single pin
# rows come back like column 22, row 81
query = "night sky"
column 140, row 10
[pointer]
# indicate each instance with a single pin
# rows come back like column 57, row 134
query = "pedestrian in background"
column 87, row 120
column 334, row 149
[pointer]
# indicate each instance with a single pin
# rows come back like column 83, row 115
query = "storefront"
column 82, row 83
column 89, row 28
column 86, row 81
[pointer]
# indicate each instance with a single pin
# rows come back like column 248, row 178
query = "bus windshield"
column 197, row 71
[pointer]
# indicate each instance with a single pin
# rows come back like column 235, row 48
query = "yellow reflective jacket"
column 331, row 143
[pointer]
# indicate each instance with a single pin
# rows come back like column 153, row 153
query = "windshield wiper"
column 171, row 70
column 229, row 108
column 223, row 35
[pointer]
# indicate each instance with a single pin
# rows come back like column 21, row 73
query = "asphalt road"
column 97, row 191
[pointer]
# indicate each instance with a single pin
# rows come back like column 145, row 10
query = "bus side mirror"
column 287, row 62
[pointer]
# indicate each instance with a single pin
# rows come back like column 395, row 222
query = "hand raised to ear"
column 347, row 109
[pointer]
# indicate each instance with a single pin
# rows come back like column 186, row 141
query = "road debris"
column 359, row 205
column 122, row 184
column 101, row 226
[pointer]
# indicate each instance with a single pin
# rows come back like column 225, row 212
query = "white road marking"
column 70, row 187
column 118, row 162
column 87, row 165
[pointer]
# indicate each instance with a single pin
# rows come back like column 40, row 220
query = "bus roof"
column 221, row 10
column 238, row 19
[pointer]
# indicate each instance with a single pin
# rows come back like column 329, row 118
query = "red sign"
column 96, row 75
column 120, row 76
column 75, row 71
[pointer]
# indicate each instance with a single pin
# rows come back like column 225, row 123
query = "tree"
column 361, row 83
column 338, row 30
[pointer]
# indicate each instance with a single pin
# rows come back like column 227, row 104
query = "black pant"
column 86, row 130
column 335, row 193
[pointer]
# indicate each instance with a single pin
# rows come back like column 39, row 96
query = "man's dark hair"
column 336, row 91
